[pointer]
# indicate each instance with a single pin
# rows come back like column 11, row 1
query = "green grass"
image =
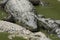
column 4, row 36
column 54, row 37
column 3, row 14
column 50, row 11
column 51, row 36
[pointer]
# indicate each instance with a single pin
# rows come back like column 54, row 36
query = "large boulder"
column 11, row 27
column 39, row 36
column 19, row 31
column 22, row 11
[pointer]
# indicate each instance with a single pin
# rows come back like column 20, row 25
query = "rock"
column 58, row 32
column 40, row 16
column 39, row 36
column 35, row 2
column 3, row 3
column 22, row 12
column 12, row 28
column 42, row 3
column 58, row 21
column 19, row 31
column 49, row 23
column 58, row 0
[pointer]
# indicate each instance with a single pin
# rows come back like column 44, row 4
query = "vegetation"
column 52, row 10
column 3, row 14
column 51, row 36
column 4, row 36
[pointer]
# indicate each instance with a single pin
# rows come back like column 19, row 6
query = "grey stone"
column 19, row 31
column 58, row 21
column 22, row 12
column 49, row 23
